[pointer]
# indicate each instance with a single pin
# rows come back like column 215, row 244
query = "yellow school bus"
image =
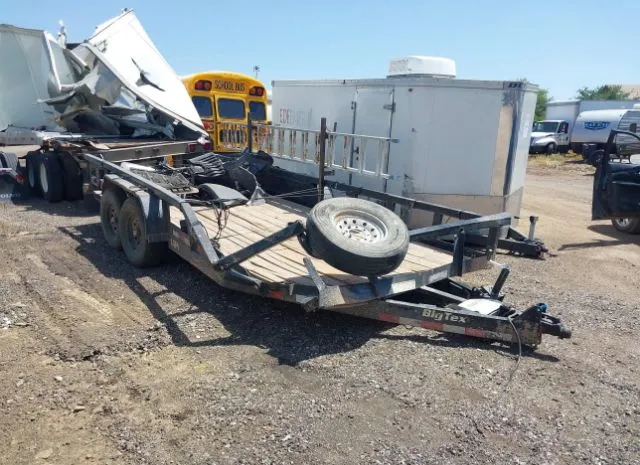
column 224, row 100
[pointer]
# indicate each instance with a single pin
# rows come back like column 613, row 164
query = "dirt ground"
column 102, row 363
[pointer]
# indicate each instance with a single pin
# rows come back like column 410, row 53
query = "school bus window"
column 231, row 108
column 203, row 106
column 258, row 111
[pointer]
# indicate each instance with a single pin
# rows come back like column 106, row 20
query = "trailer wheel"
column 357, row 236
column 133, row 234
column 73, row 178
column 627, row 225
column 34, row 159
column 110, row 205
column 9, row 160
column 51, row 178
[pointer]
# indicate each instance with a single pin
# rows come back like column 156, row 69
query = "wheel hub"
column 113, row 219
column 623, row 222
column 136, row 233
column 361, row 228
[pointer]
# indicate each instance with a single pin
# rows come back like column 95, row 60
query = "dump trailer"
column 345, row 254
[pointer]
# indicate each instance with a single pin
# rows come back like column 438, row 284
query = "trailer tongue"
column 259, row 244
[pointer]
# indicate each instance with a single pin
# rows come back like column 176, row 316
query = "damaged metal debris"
column 115, row 83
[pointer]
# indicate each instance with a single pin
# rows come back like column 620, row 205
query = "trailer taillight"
column 192, row 147
column 203, row 85
column 257, row 91
column 207, row 146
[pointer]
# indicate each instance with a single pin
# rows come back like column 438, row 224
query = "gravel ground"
column 103, row 363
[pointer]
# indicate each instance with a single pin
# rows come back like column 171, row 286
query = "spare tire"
column 357, row 236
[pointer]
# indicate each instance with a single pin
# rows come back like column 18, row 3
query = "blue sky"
column 555, row 44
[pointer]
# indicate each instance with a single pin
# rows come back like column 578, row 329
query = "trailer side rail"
column 353, row 153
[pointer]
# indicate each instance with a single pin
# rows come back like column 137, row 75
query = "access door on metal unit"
column 374, row 108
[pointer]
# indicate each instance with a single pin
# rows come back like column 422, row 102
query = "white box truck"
column 589, row 117
column 461, row 143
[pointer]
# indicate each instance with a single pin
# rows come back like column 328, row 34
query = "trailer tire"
column 110, row 205
column 51, row 177
column 627, row 225
column 73, row 178
column 133, row 234
column 9, row 160
column 381, row 238
column 33, row 161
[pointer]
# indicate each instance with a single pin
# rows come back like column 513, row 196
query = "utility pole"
column 256, row 69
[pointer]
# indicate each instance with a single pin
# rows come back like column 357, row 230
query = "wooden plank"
column 292, row 268
column 246, row 225
column 233, row 240
column 261, row 225
column 294, row 250
column 291, row 251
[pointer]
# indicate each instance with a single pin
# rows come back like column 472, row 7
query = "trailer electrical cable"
column 515, row 368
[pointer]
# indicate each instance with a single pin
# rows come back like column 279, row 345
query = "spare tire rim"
column 44, row 182
column 623, row 222
column 360, row 226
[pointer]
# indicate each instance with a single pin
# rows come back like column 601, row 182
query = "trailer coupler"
column 481, row 318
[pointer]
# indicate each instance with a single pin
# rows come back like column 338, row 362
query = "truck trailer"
column 460, row 143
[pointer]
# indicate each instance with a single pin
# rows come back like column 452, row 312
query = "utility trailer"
column 215, row 215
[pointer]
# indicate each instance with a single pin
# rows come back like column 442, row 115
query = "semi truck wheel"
column 357, row 236
column 73, row 178
column 110, row 205
column 627, row 225
column 133, row 234
column 51, row 178
column 551, row 148
column 34, row 159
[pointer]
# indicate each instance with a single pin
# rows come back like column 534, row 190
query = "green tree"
column 605, row 92
column 541, row 103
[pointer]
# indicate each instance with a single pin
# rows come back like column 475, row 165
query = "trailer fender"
column 156, row 212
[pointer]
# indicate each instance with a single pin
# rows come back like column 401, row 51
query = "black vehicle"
column 616, row 186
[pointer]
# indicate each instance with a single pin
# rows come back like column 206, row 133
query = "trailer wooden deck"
column 246, row 225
